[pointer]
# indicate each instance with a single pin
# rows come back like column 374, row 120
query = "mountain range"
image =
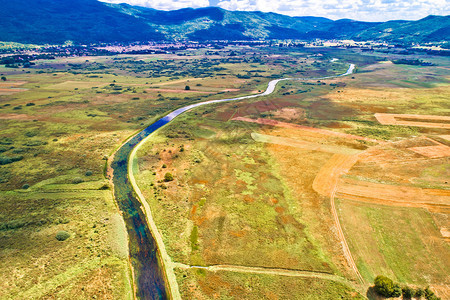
column 91, row 21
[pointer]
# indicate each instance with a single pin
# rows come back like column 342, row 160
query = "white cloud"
column 164, row 4
column 365, row 10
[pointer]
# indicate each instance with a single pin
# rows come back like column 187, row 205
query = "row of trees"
column 384, row 286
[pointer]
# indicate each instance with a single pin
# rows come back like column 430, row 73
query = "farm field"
column 303, row 191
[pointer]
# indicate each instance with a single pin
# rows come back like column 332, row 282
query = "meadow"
column 243, row 191
column 60, row 122
column 249, row 190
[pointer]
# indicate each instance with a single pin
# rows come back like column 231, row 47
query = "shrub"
column 105, row 186
column 77, row 180
column 384, row 286
column 164, row 166
column 168, row 177
column 62, row 235
column 419, row 292
column 429, row 294
column 25, row 186
column 407, row 292
column 4, row 160
column 88, row 173
column 187, row 88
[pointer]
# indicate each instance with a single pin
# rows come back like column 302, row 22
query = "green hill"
column 90, row 21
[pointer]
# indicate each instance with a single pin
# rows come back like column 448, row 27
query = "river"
column 149, row 275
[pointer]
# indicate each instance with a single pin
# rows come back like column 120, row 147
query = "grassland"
column 412, row 253
column 243, row 194
column 235, row 200
column 58, row 126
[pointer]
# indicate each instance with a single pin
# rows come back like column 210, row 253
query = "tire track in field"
column 269, row 271
column 325, row 184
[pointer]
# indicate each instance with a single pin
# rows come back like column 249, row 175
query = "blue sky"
column 365, row 10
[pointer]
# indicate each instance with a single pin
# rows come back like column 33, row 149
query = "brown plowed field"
column 414, row 120
column 432, row 151
column 264, row 138
column 391, row 194
column 329, row 174
column 306, row 128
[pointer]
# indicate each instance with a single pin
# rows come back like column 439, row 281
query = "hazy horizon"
column 361, row 10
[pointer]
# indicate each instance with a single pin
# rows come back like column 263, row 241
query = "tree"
column 3, row 78
column 386, row 287
column 407, row 292
column 187, row 88
column 168, row 177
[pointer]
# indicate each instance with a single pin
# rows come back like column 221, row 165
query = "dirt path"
column 270, row 271
column 325, row 183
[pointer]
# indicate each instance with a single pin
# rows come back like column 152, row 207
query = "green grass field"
column 403, row 243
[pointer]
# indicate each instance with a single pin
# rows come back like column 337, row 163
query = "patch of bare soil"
column 414, row 120
column 391, row 194
column 432, row 151
column 290, row 113
column 301, row 127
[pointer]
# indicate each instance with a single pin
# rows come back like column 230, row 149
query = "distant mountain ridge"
column 91, row 21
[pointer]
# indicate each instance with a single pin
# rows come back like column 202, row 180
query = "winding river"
column 149, row 274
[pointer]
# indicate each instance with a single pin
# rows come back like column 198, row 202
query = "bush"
column 164, row 166
column 187, row 88
column 384, row 286
column 77, row 180
column 419, row 292
column 25, row 186
column 88, row 173
column 105, row 186
column 62, row 235
column 4, row 160
column 429, row 294
column 168, row 177
column 407, row 292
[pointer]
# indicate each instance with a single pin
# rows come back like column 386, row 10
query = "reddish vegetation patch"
column 280, row 209
column 273, row 200
column 246, row 109
column 177, row 91
column 11, row 91
column 16, row 117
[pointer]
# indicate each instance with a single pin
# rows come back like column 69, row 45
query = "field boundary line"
column 343, row 164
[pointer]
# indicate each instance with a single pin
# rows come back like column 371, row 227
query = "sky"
column 362, row 10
